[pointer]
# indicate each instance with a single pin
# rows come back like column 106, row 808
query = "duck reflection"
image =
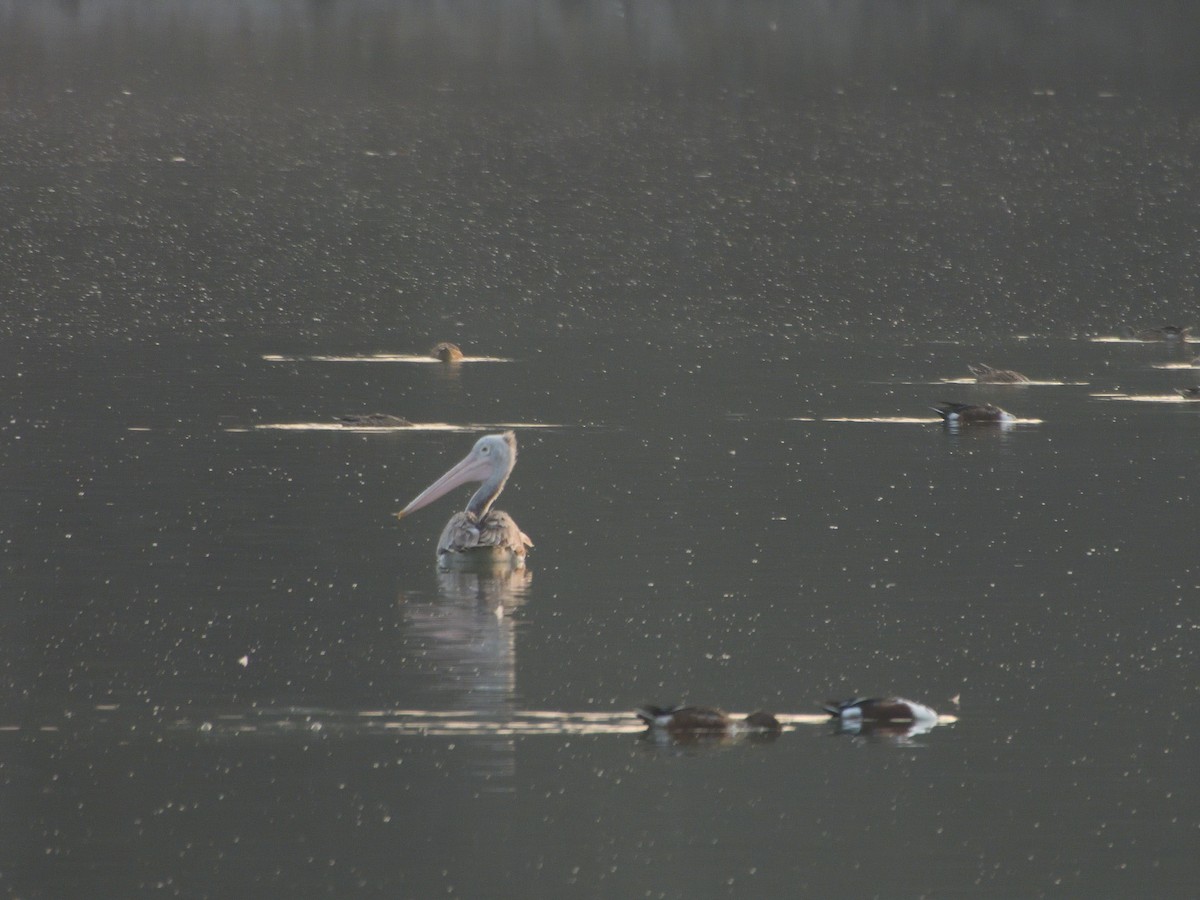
column 462, row 646
column 899, row 733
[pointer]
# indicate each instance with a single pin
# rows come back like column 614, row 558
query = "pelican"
column 985, row 374
column 478, row 533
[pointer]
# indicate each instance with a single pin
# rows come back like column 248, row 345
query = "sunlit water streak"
column 1005, row 384
column 395, row 722
column 909, row 420
column 415, row 426
column 383, row 358
column 1149, row 398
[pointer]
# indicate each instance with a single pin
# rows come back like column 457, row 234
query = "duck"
column 969, row 413
column 985, row 374
column 447, row 352
column 880, row 709
column 1189, row 393
column 373, row 420
column 694, row 722
column 1162, row 333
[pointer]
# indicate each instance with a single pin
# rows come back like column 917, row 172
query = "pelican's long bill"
column 471, row 468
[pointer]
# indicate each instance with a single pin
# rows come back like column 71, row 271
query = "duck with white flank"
column 1189, row 393
column 478, row 533
column 988, row 375
column 880, row 709
column 972, row 414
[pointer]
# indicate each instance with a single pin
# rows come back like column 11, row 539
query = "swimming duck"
column 447, row 352
column 1189, row 393
column 1163, row 333
column 985, row 374
column 969, row 413
column 704, row 721
column 880, row 709
column 373, row 420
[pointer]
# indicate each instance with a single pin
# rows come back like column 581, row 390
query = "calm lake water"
column 723, row 258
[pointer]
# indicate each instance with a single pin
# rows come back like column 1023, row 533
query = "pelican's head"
column 489, row 462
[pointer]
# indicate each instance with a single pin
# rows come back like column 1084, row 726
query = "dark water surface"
column 731, row 253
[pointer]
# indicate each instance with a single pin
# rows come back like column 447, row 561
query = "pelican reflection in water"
column 460, row 652
column 478, row 534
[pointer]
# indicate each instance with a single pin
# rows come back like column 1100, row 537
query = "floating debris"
column 374, row 420
column 985, row 374
column 447, row 352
